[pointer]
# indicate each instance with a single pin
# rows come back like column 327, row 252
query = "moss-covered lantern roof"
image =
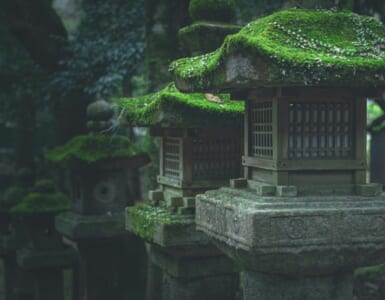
column 293, row 47
column 94, row 147
column 171, row 108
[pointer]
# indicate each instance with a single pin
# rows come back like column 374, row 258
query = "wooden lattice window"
column 172, row 159
column 261, row 131
column 320, row 130
column 215, row 158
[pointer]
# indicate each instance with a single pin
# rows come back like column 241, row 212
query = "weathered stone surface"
column 273, row 287
column 208, row 288
column 203, row 273
column 76, row 226
column 294, row 235
column 29, row 259
column 197, row 263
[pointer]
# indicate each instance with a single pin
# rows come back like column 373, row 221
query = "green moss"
column 296, row 47
column 145, row 218
column 92, row 148
column 212, row 10
column 42, row 203
column 171, row 108
column 372, row 271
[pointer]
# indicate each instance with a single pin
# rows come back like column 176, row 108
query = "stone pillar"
column 111, row 263
column 377, row 162
column 195, row 275
column 48, row 284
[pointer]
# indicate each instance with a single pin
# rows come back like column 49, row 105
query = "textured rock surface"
column 294, row 236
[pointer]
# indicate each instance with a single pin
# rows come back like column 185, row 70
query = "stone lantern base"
column 111, row 262
column 191, row 267
column 295, row 247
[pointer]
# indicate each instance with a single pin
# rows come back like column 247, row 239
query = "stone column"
column 111, row 262
column 194, row 275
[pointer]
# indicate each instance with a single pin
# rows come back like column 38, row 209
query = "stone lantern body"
column 303, row 217
column 198, row 152
column 100, row 166
column 103, row 186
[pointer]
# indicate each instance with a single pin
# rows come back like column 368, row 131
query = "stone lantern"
column 198, row 152
column 99, row 165
column 303, row 217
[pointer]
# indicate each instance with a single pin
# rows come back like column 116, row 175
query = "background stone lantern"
column 109, row 260
column 303, row 217
column 197, row 152
column 33, row 253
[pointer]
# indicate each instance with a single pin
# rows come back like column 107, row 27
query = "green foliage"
column 45, row 186
column 106, row 49
column 212, row 10
column 145, row 218
column 171, row 108
column 42, row 203
column 298, row 45
column 91, row 148
column 11, row 197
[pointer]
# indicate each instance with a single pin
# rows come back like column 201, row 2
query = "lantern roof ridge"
column 169, row 108
column 294, row 47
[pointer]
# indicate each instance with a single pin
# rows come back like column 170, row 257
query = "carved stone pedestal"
column 194, row 275
column 295, row 247
column 275, row 287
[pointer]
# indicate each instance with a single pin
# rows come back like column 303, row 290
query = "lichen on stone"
column 92, row 148
column 293, row 47
column 171, row 108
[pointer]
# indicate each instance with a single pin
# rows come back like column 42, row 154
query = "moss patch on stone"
column 295, row 47
column 171, row 108
column 145, row 218
column 42, row 203
column 92, row 148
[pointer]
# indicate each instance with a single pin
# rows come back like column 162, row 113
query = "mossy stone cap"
column 92, row 148
column 169, row 108
column 291, row 48
column 212, row 10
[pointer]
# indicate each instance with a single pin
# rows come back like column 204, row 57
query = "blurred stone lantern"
column 198, row 152
column 103, row 185
column 100, row 167
column 303, row 217
column 39, row 254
